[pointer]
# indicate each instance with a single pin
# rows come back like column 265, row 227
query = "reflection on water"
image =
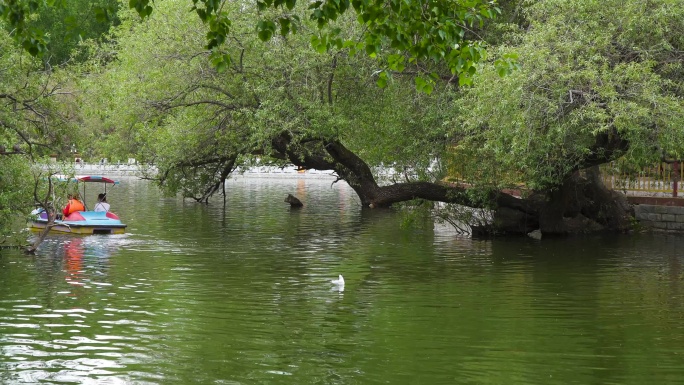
column 56, row 324
column 242, row 294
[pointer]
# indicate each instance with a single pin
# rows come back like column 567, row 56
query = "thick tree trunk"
column 582, row 204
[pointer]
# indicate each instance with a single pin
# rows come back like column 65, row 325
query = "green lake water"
column 196, row 294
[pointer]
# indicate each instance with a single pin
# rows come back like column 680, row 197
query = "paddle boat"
column 81, row 222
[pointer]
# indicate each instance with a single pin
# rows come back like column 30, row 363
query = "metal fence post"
column 675, row 177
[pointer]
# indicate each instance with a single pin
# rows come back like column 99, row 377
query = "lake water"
column 197, row 294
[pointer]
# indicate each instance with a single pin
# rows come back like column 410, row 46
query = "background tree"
column 36, row 120
column 598, row 81
column 71, row 22
column 197, row 123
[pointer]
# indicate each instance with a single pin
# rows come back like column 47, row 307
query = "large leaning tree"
column 288, row 98
column 595, row 83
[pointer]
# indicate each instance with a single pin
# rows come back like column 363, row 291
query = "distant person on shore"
column 101, row 204
column 74, row 204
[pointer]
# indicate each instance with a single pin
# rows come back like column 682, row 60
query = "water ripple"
column 242, row 295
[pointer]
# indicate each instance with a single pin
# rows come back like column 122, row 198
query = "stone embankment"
column 111, row 170
column 660, row 217
column 660, row 213
column 262, row 171
column 136, row 170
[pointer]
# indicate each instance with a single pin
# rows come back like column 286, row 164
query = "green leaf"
column 420, row 83
column 265, row 35
column 202, row 14
column 501, row 71
column 221, row 62
column 382, row 79
column 101, row 14
column 472, row 70
column 396, row 62
column 284, row 26
column 371, row 49
column 424, row 85
column 266, row 29
column 319, row 43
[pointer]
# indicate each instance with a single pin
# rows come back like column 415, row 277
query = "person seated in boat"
column 74, row 204
column 101, row 204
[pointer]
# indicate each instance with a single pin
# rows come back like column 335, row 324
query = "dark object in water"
column 293, row 201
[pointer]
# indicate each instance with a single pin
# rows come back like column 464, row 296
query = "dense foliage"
column 71, row 23
column 52, row 29
column 361, row 84
column 36, row 120
column 436, row 30
column 196, row 122
column 593, row 74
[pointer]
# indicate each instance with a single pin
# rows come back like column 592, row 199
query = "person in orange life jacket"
column 73, row 205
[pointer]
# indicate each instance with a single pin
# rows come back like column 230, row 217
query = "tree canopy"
column 178, row 105
column 200, row 93
column 37, row 116
column 598, row 80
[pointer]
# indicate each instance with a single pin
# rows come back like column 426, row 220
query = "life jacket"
column 73, row 206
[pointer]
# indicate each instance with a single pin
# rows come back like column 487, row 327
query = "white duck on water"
column 339, row 281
